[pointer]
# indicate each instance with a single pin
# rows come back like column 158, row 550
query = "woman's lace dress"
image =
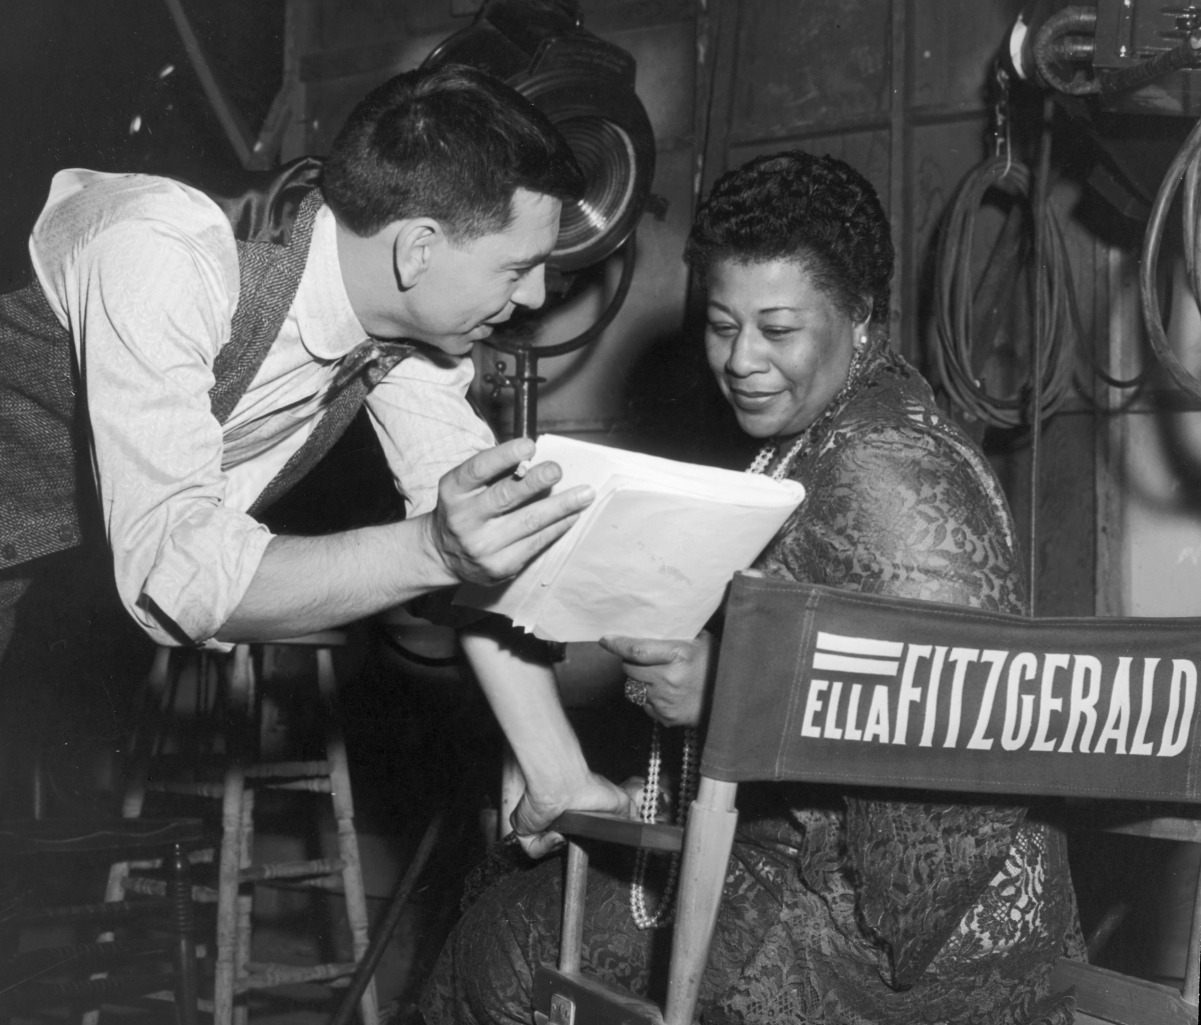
column 840, row 907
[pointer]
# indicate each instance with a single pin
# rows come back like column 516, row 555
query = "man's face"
column 470, row 287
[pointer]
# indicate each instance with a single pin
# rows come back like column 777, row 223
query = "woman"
column 839, row 906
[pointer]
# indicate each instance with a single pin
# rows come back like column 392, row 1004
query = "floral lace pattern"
column 840, row 908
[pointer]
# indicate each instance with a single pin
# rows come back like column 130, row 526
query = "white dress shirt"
column 143, row 271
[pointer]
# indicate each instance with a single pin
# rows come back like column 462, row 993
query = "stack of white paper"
column 651, row 557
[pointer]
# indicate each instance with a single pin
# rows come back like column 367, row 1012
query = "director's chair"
column 829, row 686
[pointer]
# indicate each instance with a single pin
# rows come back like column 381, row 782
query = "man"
column 205, row 353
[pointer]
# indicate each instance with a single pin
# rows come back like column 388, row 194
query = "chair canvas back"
column 836, row 686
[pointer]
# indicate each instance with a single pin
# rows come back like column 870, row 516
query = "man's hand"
column 488, row 524
column 537, row 811
column 677, row 674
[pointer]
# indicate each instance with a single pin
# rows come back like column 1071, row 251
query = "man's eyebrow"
column 529, row 261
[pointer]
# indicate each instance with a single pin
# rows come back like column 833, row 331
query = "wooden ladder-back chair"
column 1095, row 710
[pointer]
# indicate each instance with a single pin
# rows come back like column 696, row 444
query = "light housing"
column 585, row 86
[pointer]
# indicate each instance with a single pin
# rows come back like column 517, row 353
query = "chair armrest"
column 1119, row 998
column 593, row 825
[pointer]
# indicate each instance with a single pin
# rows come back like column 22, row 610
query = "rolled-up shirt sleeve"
column 149, row 306
column 426, row 425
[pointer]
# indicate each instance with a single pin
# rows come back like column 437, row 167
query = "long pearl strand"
column 663, row 914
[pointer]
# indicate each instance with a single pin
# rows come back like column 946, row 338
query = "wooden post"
column 1191, row 979
column 575, row 887
column 707, row 842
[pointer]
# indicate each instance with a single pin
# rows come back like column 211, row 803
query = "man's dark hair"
column 453, row 144
column 818, row 211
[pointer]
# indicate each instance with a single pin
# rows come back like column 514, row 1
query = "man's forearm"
column 486, row 526
column 314, row 583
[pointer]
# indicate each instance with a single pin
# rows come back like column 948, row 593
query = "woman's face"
column 779, row 348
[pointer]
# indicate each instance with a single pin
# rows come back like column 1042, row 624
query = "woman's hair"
column 453, row 144
column 818, row 211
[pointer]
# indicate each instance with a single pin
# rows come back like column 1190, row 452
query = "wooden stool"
column 230, row 770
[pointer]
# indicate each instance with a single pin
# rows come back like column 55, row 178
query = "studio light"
column 586, row 87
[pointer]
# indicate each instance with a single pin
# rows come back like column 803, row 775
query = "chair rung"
column 111, row 911
column 190, row 789
column 1120, row 998
column 654, row 836
column 1165, row 828
column 1110, row 820
column 291, row 869
column 158, row 888
column 203, row 856
column 166, row 996
column 330, row 884
column 212, row 767
column 265, row 770
column 105, row 988
column 316, row 786
column 265, row 976
column 33, row 963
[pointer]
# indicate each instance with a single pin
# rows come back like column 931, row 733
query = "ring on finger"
column 636, row 692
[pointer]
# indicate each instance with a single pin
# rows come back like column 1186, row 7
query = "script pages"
column 651, row 557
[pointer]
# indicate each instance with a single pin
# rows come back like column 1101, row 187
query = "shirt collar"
column 325, row 319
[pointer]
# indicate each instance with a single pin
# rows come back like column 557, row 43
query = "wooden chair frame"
column 781, row 637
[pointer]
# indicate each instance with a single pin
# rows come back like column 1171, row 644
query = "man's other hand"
column 488, row 524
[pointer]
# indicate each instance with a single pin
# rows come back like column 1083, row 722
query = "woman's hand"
column 534, row 812
column 676, row 673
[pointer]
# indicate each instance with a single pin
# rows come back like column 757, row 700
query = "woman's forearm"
column 525, row 698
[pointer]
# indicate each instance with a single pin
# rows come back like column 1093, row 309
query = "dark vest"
column 46, row 488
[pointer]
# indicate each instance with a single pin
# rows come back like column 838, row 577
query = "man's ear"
column 415, row 248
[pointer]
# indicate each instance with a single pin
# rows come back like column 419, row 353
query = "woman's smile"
column 752, row 401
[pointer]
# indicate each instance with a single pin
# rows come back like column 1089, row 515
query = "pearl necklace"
column 644, row 919
column 766, row 454
column 648, row 811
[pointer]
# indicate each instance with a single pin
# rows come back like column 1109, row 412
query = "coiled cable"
column 1186, row 164
column 954, row 286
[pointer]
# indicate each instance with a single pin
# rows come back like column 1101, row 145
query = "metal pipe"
column 1041, row 324
column 396, row 903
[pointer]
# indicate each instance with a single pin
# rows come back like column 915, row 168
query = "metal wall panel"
column 801, row 65
column 954, row 41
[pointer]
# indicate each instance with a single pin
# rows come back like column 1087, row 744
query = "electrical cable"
column 954, row 302
column 1050, row 47
column 1186, row 164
